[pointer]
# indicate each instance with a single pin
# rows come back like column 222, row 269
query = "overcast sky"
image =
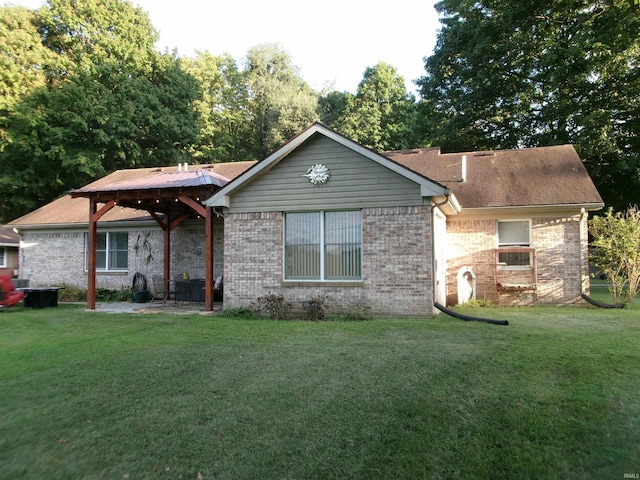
column 332, row 42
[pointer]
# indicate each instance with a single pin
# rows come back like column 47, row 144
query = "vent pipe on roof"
column 464, row 168
column 186, row 166
column 179, row 167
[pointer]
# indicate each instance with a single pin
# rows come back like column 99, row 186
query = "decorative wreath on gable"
column 318, row 174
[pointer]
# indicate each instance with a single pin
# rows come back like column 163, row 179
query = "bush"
column 316, row 308
column 271, row 306
column 72, row 293
column 239, row 312
column 358, row 313
column 475, row 303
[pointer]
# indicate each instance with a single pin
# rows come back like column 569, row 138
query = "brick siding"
column 562, row 259
column 57, row 258
column 397, row 267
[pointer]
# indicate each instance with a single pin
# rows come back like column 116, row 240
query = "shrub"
column 475, row 303
column 72, row 293
column 239, row 312
column 316, row 308
column 358, row 313
column 271, row 306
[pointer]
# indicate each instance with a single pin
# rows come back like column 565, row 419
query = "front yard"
column 94, row 396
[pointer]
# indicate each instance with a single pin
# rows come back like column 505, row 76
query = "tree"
column 332, row 106
column 508, row 73
column 281, row 102
column 109, row 101
column 616, row 249
column 382, row 114
column 225, row 120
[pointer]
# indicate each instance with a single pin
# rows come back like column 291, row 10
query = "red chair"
column 8, row 293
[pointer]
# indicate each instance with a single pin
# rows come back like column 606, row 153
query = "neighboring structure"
column 9, row 252
column 394, row 231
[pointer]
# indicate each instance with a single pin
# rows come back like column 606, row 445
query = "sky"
column 331, row 42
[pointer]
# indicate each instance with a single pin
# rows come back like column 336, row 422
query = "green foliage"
column 271, row 306
column 110, row 295
column 238, row 312
column 281, row 102
column 225, row 120
column 616, row 250
column 358, row 313
column 481, row 303
column 508, row 74
column 382, row 114
column 72, row 293
column 107, row 100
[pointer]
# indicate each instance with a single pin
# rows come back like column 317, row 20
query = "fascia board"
column 529, row 210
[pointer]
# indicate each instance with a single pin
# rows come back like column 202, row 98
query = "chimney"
column 464, row 169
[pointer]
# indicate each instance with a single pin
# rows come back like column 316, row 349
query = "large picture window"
column 112, row 253
column 323, row 246
column 514, row 234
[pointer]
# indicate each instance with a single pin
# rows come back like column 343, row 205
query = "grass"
column 108, row 396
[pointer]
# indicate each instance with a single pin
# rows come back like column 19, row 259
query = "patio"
column 181, row 308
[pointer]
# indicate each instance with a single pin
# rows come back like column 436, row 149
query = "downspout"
column 447, row 194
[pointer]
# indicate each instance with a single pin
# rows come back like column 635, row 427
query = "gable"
column 354, row 182
column 358, row 178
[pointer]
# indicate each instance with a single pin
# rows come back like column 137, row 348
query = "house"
column 323, row 215
column 9, row 251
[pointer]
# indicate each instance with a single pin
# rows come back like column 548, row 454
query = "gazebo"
column 170, row 198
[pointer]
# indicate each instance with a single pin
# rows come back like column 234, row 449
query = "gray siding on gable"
column 355, row 182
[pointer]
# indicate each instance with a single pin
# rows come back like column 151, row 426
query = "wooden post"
column 92, row 248
column 209, row 259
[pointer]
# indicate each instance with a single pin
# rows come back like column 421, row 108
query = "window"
column 323, row 246
column 112, row 253
column 514, row 234
column 3, row 257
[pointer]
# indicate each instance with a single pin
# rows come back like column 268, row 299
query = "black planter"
column 141, row 296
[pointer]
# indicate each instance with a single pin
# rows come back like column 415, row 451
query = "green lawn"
column 556, row 394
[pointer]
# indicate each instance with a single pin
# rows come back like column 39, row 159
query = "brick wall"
column 55, row 258
column 562, row 259
column 397, row 266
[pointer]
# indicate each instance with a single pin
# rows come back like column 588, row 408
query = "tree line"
column 83, row 92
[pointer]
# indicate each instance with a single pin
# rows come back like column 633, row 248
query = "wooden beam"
column 105, row 208
column 193, row 204
column 178, row 221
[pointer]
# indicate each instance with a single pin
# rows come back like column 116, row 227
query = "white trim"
column 532, row 211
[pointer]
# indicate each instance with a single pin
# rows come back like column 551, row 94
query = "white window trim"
column 3, row 258
column 105, row 270
column 506, row 245
column 322, row 251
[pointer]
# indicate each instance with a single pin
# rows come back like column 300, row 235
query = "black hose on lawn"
column 600, row 304
column 468, row 318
